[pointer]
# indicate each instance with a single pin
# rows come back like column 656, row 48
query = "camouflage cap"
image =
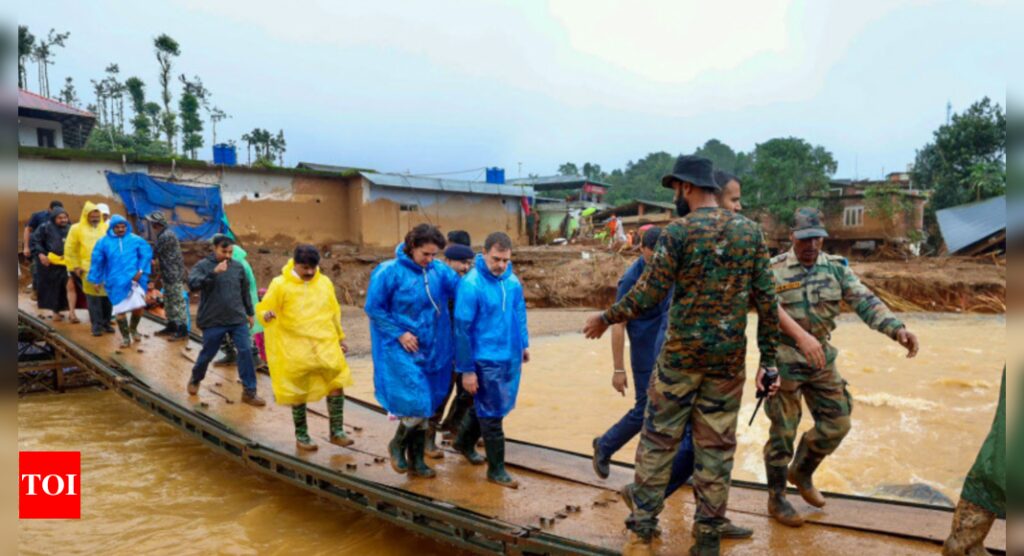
column 807, row 223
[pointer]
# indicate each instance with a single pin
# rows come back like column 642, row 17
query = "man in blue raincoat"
column 413, row 347
column 122, row 261
column 492, row 343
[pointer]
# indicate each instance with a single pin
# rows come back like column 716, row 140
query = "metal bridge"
column 560, row 507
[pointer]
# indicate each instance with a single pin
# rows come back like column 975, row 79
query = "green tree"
column 153, row 113
column 787, row 173
column 193, row 95
column 593, row 171
column 721, row 155
column 966, row 160
column 26, row 46
column 137, row 93
column 67, row 94
column 641, row 179
column 43, row 54
column 568, row 169
column 166, row 49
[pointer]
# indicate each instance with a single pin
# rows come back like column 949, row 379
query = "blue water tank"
column 225, row 154
column 496, row 175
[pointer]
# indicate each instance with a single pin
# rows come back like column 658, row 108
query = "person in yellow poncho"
column 306, row 344
column 82, row 237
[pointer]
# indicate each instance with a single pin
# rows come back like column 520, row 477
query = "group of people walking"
column 449, row 330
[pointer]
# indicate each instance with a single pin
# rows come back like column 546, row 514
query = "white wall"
column 236, row 184
column 74, row 177
column 27, row 136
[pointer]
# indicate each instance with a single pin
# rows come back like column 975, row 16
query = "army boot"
column 778, row 507
column 638, row 545
column 801, row 471
column 971, row 524
column 171, row 328
column 708, row 541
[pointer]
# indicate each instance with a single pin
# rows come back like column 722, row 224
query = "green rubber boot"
column 126, row 334
column 336, row 412
column 396, row 449
column 302, row 439
column 134, row 327
column 495, row 448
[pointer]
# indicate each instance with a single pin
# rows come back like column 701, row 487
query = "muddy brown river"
column 150, row 489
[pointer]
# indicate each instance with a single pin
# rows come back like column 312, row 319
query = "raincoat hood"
column 83, row 219
column 114, row 221
column 57, row 211
column 287, row 272
column 481, row 266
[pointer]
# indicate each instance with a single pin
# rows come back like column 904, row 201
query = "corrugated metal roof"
column 967, row 224
column 32, row 101
column 316, row 166
column 553, row 183
column 452, row 186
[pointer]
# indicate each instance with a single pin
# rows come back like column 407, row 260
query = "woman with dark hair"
column 306, row 344
column 51, row 278
column 413, row 345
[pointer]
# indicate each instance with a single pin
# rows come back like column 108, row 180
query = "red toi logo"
column 50, row 485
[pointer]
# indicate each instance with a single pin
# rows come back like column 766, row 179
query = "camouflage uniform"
column 812, row 297
column 718, row 262
column 172, row 275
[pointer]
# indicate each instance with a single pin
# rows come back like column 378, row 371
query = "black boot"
column 495, row 447
column 227, row 360
column 180, row 333
column 467, row 433
column 416, row 446
column 432, row 450
column 802, row 470
column 778, row 507
column 396, row 449
column 708, row 541
column 171, row 328
column 126, row 334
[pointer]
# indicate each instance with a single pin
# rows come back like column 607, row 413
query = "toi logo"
column 49, row 485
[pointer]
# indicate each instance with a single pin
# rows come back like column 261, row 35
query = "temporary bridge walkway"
column 559, row 508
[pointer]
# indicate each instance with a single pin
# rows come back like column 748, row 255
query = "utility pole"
column 949, row 111
column 520, row 170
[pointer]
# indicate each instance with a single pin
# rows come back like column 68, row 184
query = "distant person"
column 172, row 277
column 78, row 247
column 458, row 255
column 811, row 286
column 121, row 263
column 34, row 222
column 717, row 262
column 492, row 343
column 306, row 344
column 983, row 498
column 225, row 307
column 47, row 243
column 411, row 334
column 729, row 194
column 104, row 212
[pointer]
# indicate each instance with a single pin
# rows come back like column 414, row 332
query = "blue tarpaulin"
column 142, row 195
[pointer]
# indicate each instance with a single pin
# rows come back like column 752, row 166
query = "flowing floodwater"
column 148, row 488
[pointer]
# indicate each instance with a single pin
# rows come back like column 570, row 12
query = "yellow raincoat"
column 304, row 340
column 82, row 237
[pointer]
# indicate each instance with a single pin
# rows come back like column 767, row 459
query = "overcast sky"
column 443, row 85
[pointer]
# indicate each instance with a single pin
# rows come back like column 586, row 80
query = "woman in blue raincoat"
column 122, row 261
column 413, row 347
column 492, row 343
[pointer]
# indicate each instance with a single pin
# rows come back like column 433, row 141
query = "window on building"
column 46, row 137
column 853, row 216
column 408, row 208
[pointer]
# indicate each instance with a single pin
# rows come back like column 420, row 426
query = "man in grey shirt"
column 224, row 308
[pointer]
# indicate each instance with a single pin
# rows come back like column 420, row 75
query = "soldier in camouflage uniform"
column 172, row 276
column 718, row 262
column 810, row 286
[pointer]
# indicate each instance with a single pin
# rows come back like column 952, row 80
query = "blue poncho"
column 405, row 297
column 115, row 260
column 490, row 336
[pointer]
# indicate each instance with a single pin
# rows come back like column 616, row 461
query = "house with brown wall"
column 285, row 205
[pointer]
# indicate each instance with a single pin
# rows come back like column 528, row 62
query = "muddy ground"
column 576, row 276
